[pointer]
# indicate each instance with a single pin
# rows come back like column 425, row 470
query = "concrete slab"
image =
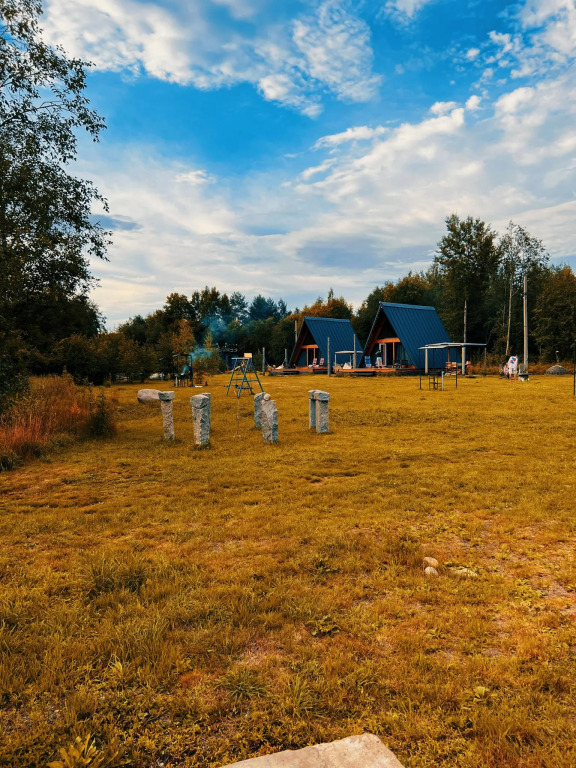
column 365, row 751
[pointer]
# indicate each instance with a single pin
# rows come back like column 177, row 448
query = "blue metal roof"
column 340, row 333
column 415, row 326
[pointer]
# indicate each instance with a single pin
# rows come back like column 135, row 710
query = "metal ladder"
column 243, row 371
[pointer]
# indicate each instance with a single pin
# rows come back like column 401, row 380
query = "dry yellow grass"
column 191, row 608
column 53, row 411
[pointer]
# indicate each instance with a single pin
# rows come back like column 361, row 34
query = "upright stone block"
column 258, row 398
column 201, row 407
column 269, row 421
column 165, row 398
column 209, row 396
column 167, row 414
column 322, row 400
column 312, row 408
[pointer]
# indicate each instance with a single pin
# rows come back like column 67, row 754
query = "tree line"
column 475, row 281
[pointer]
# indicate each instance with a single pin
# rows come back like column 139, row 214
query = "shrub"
column 53, row 412
column 102, row 421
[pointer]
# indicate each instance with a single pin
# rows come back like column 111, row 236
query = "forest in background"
column 473, row 269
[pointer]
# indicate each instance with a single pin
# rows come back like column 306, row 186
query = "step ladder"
column 244, row 376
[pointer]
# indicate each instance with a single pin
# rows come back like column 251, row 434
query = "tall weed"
column 52, row 411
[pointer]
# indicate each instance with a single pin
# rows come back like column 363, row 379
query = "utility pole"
column 295, row 331
column 465, row 336
column 525, row 307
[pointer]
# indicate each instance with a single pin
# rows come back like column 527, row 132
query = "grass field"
column 177, row 607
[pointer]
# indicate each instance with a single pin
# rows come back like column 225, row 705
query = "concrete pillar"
column 165, row 398
column 269, row 421
column 322, row 400
column 201, row 418
column 258, row 398
column 167, row 414
column 209, row 396
column 312, row 408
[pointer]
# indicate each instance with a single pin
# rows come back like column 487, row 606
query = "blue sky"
column 285, row 147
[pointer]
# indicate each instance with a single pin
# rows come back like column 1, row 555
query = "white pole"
column 525, row 300
column 354, row 350
column 426, row 360
column 328, row 355
column 465, row 339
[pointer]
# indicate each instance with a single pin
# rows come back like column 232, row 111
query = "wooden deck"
column 373, row 371
column 339, row 371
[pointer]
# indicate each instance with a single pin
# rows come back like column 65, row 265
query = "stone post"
column 312, row 408
column 269, row 421
column 167, row 415
column 201, row 417
column 258, row 398
column 165, row 398
column 322, row 400
column 209, row 396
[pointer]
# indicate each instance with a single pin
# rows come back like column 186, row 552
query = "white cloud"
column 242, row 9
column 358, row 133
column 316, row 170
column 442, row 107
column 336, row 46
column 403, row 10
column 324, row 51
column 287, row 90
column 195, row 178
column 472, row 53
column 558, row 19
column 473, row 103
column 546, row 40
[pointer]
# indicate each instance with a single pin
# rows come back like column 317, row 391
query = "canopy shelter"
column 448, row 345
column 353, row 353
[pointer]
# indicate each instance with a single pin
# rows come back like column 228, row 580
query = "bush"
column 102, row 422
column 13, row 373
column 53, row 412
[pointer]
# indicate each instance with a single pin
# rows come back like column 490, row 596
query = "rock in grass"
column 466, row 572
column 365, row 751
column 430, row 561
column 430, row 573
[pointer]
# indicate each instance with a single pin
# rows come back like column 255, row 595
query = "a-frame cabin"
column 311, row 348
column 398, row 333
